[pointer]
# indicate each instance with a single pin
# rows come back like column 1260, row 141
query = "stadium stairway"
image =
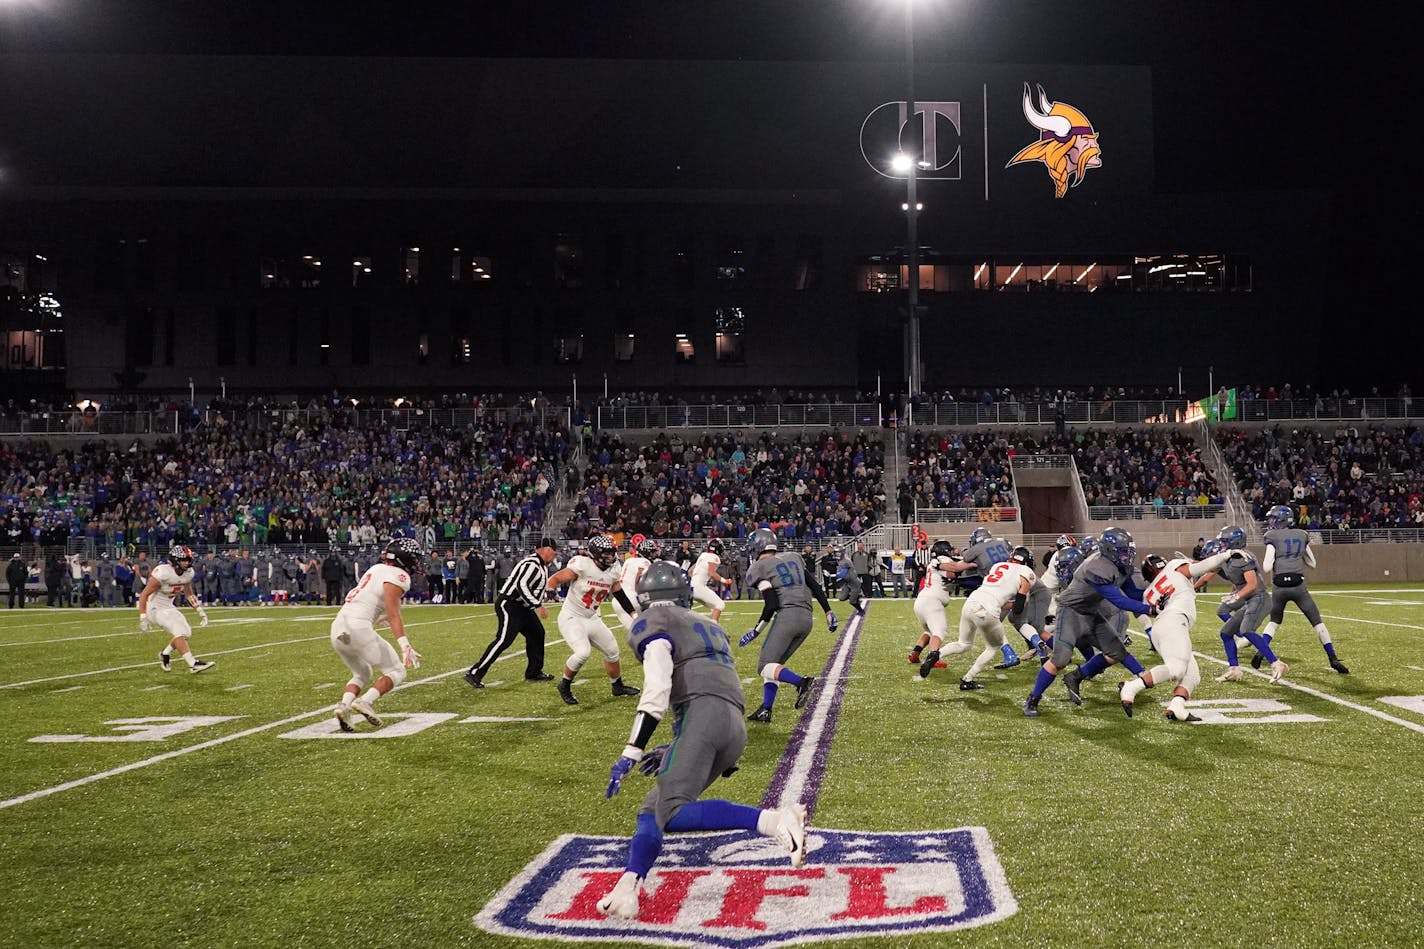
column 1238, row 509
column 561, row 508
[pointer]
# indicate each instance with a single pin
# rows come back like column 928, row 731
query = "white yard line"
column 1412, row 726
column 134, row 766
column 1372, row 622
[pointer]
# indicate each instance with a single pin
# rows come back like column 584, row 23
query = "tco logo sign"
column 888, row 129
column 735, row 890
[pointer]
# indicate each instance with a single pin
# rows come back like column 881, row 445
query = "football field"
column 144, row 808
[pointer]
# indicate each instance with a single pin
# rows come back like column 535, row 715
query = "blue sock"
column 715, row 814
column 1132, row 665
column 1330, row 650
column 1228, row 641
column 1035, row 640
column 1262, row 644
column 787, row 676
column 1087, row 651
column 1093, row 666
column 768, row 693
column 1268, row 639
column 1044, row 680
column 645, row 846
column 1008, row 652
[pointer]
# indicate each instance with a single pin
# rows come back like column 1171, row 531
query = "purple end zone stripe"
column 828, row 691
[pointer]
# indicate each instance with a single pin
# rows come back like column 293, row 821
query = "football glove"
column 202, row 618
column 409, row 656
column 1230, row 603
column 749, row 636
column 617, row 773
column 652, row 760
column 143, row 624
column 831, row 622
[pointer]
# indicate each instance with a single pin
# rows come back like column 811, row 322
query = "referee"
column 518, row 608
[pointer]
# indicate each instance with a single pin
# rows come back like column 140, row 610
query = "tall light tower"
column 909, row 163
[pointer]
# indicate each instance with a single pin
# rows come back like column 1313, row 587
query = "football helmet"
column 1065, row 540
column 941, row 548
column 1212, row 547
column 1066, row 562
column 600, row 550
column 181, row 557
column 650, row 549
column 1089, row 544
column 404, row 552
column 759, row 542
column 980, row 535
column 1279, row 518
column 716, row 546
column 1022, row 555
column 1233, row 538
column 1152, row 565
column 664, row 581
column 1116, row 545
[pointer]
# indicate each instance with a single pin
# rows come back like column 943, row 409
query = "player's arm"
column 392, row 594
column 1114, row 595
column 622, row 599
column 952, row 567
column 1204, row 570
column 819, row 593
column 1309, row 557
column 149, row 588
column 559, row 579
column 187, row 589
column 1020, row 600
column 1250, row 583
column 652, row 705
column 1269, row 560
column 770, row 603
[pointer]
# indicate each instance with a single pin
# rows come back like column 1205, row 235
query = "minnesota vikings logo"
column 1067, row 143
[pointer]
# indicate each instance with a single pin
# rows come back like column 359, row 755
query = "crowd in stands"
column 1339, row 479
column 322, row 480
column 727, row 485
column 1116, row 467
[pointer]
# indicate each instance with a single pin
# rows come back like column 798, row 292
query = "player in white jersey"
column 375, row 601
column 1171, row 593
column 933, row 600
column 634, row 567
column 156, row 605
column 704, row 574
column 1005, row 587
column 591, row 579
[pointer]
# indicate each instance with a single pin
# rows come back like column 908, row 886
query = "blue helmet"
column 1066, row 561
column 1212, row 547
column 1279, row 518
column 979, row 535
column 1089, row 544
column 1233, row 538
column 1116, row 545
column 759, row 542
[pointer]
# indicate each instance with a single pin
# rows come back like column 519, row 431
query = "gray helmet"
column 759, row 542
column 664, row 581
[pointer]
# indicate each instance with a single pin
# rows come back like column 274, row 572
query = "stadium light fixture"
column 901, row 163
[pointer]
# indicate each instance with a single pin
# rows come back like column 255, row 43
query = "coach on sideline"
column 518, row 608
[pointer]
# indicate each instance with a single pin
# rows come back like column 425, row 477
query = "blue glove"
column 748, row 637
column 831, row 622
column 617, row 773
column 652, row 761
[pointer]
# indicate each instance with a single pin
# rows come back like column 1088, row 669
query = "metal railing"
column 849, row 415
column 1371, row 535
column 1141, row 512
column 964, row 515
column 1238, row 509
column 110, row 422
column 1131, row 411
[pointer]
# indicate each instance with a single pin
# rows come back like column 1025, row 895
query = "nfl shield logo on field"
column 736, row 889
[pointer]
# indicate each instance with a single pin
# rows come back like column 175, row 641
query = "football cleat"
column 365, row 711
column 762, row 715
column 539, row 677
column 165, row 662
column 1011, row 659
column 969, row 685
column 1182, row 721
column 1278, row 669
column 623, row 899
column 343, row 717
column 1031, row 706
column 200, row 665
column 791, row 832
column 1232, row 674
column 803, row 691
column 914, row 657
column 566, row 692
column 1256, row 661
column 1126, row 704
column 1339, row 667
column 619, row 689
column 928, row 663
column 1073, row 682
column 475, row 681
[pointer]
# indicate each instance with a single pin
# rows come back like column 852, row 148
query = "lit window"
column 361, row 272
column 568, row 348
column 410, row 266
column 731, row 324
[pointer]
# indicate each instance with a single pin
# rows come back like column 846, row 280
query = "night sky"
column 1247, row 96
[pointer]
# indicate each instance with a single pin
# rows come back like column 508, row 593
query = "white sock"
column 1131, row 687
column 1323, row 633
column 191, row 659
column 1242, row 642
column 1178, row 707
column 371, row 695
column 768, row 823
column 982, row 663
column 347, row 698
column 1270, row 630
column 168, row 650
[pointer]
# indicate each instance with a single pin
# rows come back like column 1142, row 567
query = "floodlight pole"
column 915, row 370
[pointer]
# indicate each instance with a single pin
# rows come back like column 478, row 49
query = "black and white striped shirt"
column 525, row 582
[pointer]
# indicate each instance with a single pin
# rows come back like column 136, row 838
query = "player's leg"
column 708, row 598
column 1251, row 615
column 1071, row 625
column 1174, row 647
column 1229, row 629
column 788, row 630
column 172, row 620
column 360, row 673
column 575, row 634
column 931, row 614
column 1306, row 603
column 992, row 629
column 602, row 637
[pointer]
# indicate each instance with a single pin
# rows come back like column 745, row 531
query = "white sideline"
column 134, row 766
column 1412, row 726
column 220, row 652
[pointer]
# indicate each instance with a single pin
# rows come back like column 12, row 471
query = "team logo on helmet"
column 1067, row 142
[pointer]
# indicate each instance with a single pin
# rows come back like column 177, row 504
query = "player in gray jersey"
column 984, row 551
column 786, row 604
column 1288, row 553
column 688, row 667
column 1242, row 609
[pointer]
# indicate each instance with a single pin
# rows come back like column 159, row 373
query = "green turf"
column 1111, row 831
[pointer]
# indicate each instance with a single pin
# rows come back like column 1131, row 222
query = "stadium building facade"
column 284, row 222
